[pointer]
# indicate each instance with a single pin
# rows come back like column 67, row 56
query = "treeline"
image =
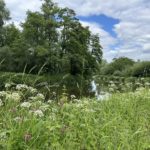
column 125, row 67
column 51, row 41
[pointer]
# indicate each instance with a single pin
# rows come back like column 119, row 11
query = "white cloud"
column 106, row 39
column 18, row 8
column 133, row 31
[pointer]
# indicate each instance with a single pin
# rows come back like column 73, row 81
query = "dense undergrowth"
column 47, row 84
column 76, row 85
column 30, row 122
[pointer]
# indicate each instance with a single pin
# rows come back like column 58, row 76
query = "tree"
column 96, row 48
column 4, row 16
column 10, row 34
column 75, row 43
column 50, row 13
column 141, row 69
column 118, row 66
column 33, row 29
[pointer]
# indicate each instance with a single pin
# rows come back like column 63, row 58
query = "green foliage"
column 4, row 15
column 52, row 39
column 52, row 42
column 117, row 67
column 141, row 69
column 11, row 34
column 46, row 84
column 115, row 84
column 122, row 121
column 125, row 67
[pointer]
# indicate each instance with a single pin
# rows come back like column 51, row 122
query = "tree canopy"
column 52, row 38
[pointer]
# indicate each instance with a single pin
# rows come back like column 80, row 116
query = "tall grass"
column 121, row 122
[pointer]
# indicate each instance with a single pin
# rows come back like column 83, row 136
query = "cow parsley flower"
column 49, row 101
column 25, row 105
column 21, row 87
column 7, row 85
column 13, row 96
column 32, row 90
column 73, row 96
column 1, row 103
column 38, row 113
column 40, row 96
column 3, row 93
column 44, row 107
column 18, row 119
column 16, row 96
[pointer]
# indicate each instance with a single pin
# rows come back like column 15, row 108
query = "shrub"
column 141, row 69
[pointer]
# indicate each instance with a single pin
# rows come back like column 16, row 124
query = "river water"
column 100, row 95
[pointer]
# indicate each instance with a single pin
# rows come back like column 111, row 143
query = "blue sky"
column 107, row 23
column 123, row 25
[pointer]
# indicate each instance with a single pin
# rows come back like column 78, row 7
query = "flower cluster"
column 1, row 103
column 26, row 105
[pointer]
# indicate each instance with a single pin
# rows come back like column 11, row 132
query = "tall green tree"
column 4, row 16
column 96, row 48
column 10, row 34
column 33, row 29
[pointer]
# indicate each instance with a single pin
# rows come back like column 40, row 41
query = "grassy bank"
column 47, row 84
column 27, row 122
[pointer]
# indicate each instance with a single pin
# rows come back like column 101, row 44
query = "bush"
column 141, row 69
column 117, row 66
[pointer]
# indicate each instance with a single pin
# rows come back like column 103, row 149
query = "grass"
column 48, row 83
column 121, row 122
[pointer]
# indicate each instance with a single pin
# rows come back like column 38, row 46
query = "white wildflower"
column 21, row 87
column 37, row 103
column 147, row 84
column 7, row 85
column 111, row 89
column 32, row 98
column 73, row 96
column 77, row 101
column 3, row 135
column 38, row 113
column 40, row 96
column 54, row 110
column 103, row 96
column 140, row 89
column 3, row 93
column 49, row 101
column 111, row 82
column 16, row 96
column 52, row 116
column 85, row 102
column 1, row 103
column 44, row 107
column 54, row 93
column 112, row 85
column 17, row 119
column 32, row 90
column 78, row 105
column 25, row 105
column 13, row 96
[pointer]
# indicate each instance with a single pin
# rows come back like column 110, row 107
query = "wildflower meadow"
column 30, row 121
